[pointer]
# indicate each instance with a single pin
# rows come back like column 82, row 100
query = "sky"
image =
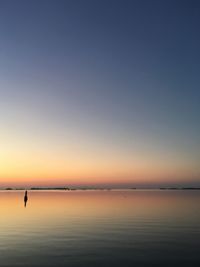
column 99, row 93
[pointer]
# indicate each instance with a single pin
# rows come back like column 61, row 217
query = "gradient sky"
column 99, row 93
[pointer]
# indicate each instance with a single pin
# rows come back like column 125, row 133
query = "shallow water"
column 100, row 228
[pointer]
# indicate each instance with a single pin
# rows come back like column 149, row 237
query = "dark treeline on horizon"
column 92, row 188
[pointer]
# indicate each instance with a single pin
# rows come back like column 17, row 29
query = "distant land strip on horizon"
column 91, row 188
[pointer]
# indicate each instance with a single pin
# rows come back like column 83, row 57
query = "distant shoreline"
column 97, row 189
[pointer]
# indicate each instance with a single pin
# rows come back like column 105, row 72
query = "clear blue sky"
column 104, row 90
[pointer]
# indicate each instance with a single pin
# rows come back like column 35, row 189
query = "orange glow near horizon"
column 84, row 163
column 52, row 172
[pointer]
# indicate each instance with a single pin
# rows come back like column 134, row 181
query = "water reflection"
column 99, row 228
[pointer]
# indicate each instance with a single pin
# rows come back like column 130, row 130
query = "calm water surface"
column 100, row 228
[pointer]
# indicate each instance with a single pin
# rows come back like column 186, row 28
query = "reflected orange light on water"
column 93, row 205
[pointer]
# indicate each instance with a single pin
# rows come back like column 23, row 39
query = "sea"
column 100, row 228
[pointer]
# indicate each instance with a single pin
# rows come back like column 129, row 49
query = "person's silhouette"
column 25, row 198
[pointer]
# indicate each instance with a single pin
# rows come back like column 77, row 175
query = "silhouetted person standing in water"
column 25, row 198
